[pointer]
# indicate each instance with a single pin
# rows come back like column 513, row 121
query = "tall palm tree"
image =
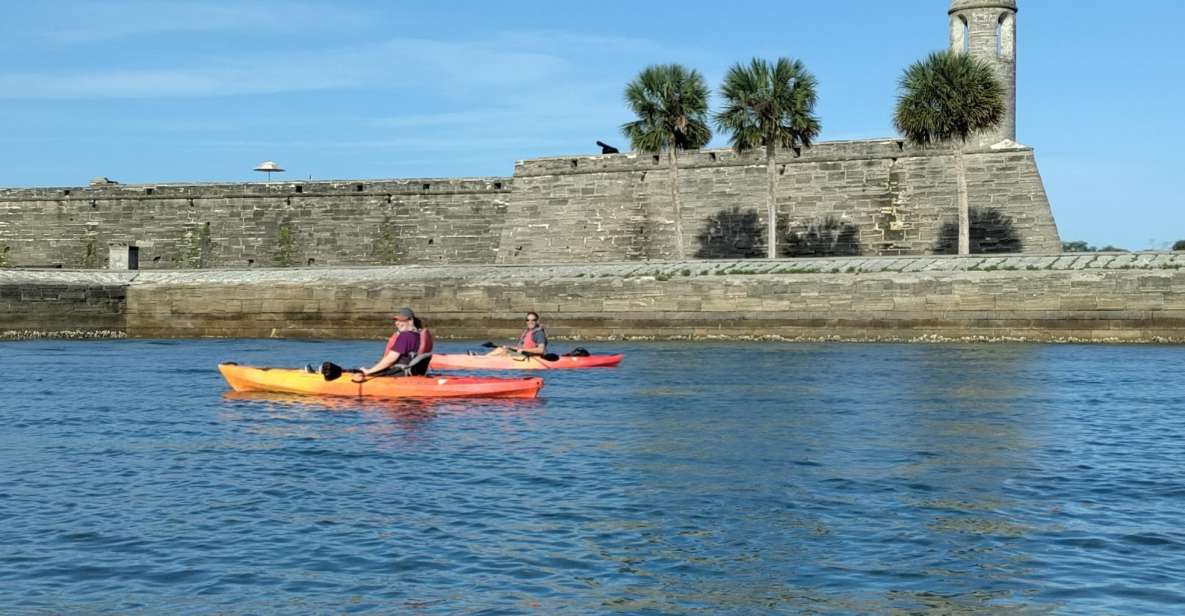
column 671, row 102
column 944, row 99
column 771, row 106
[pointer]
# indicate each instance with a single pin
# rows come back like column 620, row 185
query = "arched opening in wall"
column 312, row 262
column 959, row 33
column 1006, row 36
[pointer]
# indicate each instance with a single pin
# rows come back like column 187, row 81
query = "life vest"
column 527, row 341
column 425, row 342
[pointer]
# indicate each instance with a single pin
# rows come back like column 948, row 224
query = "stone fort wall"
column 1073, row 297
column 262, row 225
column 881, row 198
column 872, row 197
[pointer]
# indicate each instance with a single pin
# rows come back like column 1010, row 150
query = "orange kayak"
column 513, row 362
column 247, row 378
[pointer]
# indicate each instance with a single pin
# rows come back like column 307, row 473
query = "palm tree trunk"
column 964, row 202
column 673, row 160
column 771, row 206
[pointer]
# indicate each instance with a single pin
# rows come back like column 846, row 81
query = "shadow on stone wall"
column 826, row 238
column 732, row 234
column 991, row 232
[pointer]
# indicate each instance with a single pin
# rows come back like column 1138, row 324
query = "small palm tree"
column 769, row 105
column 944, row 99
column 671, row 103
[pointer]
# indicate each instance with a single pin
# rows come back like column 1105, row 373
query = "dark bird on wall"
column 607, row 149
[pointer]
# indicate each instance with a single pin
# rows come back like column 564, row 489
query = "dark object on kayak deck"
column 577, row 352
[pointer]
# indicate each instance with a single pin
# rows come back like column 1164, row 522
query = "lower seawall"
column 1071, row 297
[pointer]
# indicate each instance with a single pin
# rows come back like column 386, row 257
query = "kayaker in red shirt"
column 532, row 341
column 401, row 348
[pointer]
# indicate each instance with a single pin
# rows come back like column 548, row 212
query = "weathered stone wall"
column 1090, row 297
column 242, row 225
column 874, row 197
column 62, row 304
column 883, row 197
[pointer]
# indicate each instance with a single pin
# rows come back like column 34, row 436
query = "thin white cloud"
column 447, row 67
column 89, row 22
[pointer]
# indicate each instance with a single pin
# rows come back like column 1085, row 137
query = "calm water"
column 695, row 479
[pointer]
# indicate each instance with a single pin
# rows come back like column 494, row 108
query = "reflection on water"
column 710, row 478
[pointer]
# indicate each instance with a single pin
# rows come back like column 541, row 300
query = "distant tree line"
column 1083, row 247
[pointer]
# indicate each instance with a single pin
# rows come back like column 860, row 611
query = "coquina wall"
column 859, row 198
column 1091, row 297
column 244, row 225
column 63, row 304
column 876, row 197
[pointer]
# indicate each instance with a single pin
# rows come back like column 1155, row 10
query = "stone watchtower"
column 987, row 30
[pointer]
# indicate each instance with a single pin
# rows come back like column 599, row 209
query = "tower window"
column 960, row 34
column 1000, row 37
column 1006, row 36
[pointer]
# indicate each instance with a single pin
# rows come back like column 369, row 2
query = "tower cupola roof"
column 959, row 5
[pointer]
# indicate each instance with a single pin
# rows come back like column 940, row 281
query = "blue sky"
column 148, row 91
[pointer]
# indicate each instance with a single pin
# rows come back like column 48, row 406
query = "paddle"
column 544, row 356
column 332, row 372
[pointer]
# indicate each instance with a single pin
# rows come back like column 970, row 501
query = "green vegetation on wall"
column 3, row 255
column 194, row 247
column 90, row 257
column 385, row 246
column 285, row 255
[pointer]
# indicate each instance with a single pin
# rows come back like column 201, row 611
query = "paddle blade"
column 331, row 371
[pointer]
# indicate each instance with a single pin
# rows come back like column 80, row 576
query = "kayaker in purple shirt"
column 401, row 347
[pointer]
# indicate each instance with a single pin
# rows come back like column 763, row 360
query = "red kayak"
column 521, row 362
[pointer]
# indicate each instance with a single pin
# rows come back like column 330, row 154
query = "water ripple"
column 842, row 479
